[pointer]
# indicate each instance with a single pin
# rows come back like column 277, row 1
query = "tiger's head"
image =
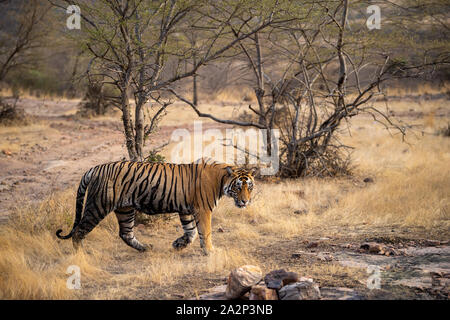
column 239, row 185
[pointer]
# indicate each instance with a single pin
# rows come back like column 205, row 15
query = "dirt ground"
column 51, row 155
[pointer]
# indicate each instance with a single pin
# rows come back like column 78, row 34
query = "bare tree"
column 138, row 48
column 21, row 34
column 313, row 74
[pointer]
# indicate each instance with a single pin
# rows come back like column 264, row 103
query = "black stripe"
column 161, row 200
column 130, row 165
column 170, row 190
column 132, row 181
column 142, row 189
column 183, row 187
column 118, row 169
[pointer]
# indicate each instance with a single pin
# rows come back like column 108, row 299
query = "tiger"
column 191, row 190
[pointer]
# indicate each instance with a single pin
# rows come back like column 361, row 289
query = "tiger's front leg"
column 203, row 220
column 190, row 232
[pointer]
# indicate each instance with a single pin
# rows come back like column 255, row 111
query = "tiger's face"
column 239, row 185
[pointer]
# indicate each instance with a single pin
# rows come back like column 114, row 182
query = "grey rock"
column 302, row 290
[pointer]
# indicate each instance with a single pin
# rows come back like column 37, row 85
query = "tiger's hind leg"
column 190, row 232
column 91, row 218
column 125, row 217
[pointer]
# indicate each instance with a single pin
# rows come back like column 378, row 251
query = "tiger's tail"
column 79, row 205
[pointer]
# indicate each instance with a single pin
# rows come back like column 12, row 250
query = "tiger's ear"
column 229, row 170
column 254, row 171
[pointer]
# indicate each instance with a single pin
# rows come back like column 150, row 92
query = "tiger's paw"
column 208, row 251
column 144, row 247
column 181, row 243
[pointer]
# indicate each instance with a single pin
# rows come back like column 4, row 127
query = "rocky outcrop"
column 241, row 280
column 247, row 283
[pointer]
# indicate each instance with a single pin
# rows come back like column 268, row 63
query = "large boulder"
column 302, row 290
column 241, row 280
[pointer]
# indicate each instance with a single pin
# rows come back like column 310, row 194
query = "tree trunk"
column 139, row 128
column 194, row 85
column 128, row 126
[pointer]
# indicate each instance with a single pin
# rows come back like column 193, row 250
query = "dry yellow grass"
column 23, row 135
column 234, row 95
column 425, row 88
column 411, row 188
column 180, row 113
column 29, row 94
column 33, row 262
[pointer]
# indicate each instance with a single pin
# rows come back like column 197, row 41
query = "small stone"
column 325, row 256
column 300, row 193
column 278, row 278
column 371, row 247
column 432, row 243
column 220, row 229
column 390, row 252
column 303, row 290
column 241, row 280
column 301, row 212
column 313, row 244
column 261, row 292
column 368, row 180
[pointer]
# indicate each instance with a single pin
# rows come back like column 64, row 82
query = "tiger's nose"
column 244, row 202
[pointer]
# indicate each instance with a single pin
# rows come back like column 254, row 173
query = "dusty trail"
column 54, row 152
